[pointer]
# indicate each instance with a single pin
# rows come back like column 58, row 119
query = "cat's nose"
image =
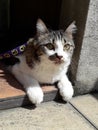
column 59, row 56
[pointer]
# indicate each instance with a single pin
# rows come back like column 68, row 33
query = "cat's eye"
column 66, row 47
column 50, row 46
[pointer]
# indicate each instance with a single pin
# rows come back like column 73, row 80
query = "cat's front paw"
column 35, row 95
column 66, row 90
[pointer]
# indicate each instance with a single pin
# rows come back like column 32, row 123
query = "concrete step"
column 87, row 105
column 47, row 116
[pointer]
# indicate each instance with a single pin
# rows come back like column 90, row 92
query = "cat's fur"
column 46, row 60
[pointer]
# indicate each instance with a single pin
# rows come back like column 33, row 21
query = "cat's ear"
column 41, row 27
column 71, row 29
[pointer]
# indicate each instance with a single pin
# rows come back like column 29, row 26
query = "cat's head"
column 57, row 46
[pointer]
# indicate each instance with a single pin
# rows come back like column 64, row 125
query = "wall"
column 87, row 73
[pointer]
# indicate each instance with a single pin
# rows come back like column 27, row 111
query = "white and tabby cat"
column 46, row 60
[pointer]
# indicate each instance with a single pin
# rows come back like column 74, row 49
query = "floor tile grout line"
column 90, row 122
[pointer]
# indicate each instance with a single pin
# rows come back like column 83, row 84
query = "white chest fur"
column 45, row 71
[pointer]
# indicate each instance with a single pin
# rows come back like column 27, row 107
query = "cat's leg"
column 65, row 88
column 31, row 85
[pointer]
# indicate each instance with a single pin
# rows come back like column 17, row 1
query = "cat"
column 46, row 60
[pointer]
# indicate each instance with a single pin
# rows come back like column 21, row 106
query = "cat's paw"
column 66, row 90
column 35, row 95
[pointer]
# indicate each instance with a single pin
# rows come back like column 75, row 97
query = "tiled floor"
column 80, row 114
column 87, row 106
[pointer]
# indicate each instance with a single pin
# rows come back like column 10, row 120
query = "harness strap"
column 16, row 51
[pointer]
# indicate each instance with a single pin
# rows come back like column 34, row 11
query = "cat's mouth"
column 56, row 59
